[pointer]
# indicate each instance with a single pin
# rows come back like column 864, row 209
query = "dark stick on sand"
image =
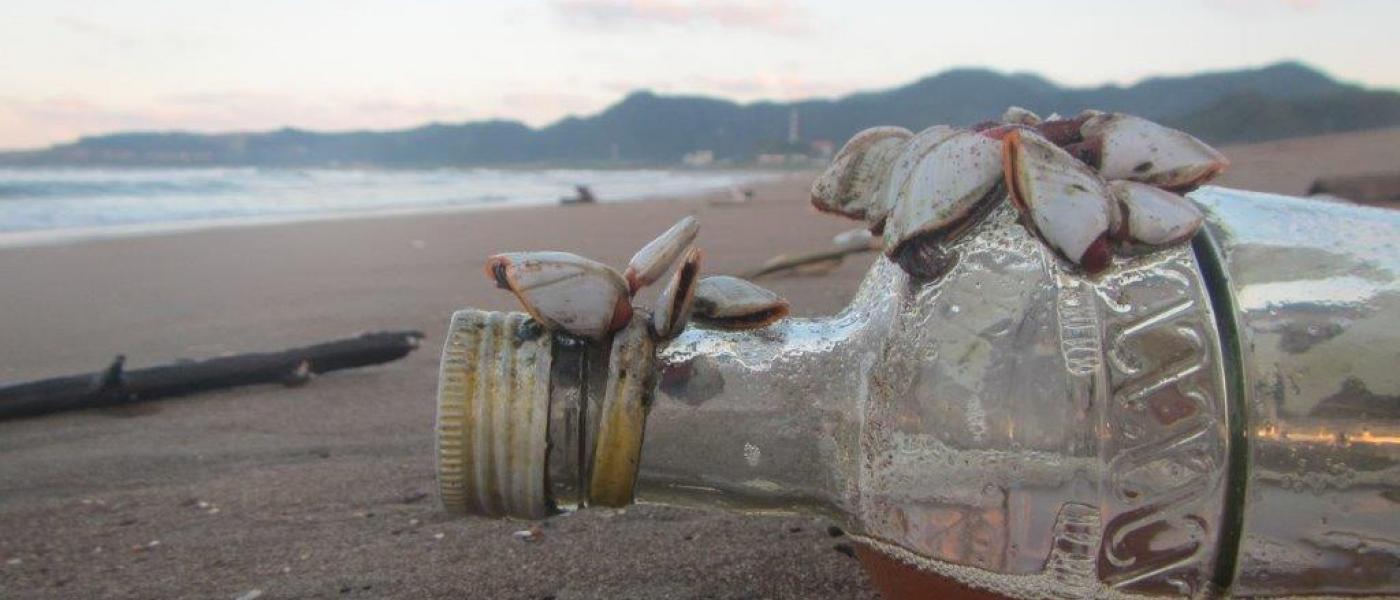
column 116, row 385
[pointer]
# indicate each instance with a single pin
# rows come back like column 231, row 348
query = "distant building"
column 792, row 159
column 698, row 158
column 794, row 130
column 823, row 148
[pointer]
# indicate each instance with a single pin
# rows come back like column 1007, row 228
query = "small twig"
column 785, row 262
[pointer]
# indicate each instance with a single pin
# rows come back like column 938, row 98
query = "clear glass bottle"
column 1218, row 419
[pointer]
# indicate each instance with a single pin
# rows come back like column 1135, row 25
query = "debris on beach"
column 820, row 262
column 582, row 195
column 151, row 545
column 118, row 385
column 1381, row 189
column 734, row 196
column 533, row 534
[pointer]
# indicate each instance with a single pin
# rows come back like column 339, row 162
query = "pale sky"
column 77, row 68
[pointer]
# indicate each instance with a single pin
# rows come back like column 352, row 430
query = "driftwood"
column 787, row 262
column 1380, row 189
column 583, row 195
column 116, row 385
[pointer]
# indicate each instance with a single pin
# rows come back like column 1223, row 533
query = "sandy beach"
column 327, row 491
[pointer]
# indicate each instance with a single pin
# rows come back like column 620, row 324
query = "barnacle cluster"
column 1089, row 186
column 588, row 299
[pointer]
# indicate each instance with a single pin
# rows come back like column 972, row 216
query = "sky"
column 69, row 69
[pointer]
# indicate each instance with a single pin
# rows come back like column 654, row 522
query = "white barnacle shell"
column 1127, row 147
column 1016, row 115
column 850, row 185
column 1152, row 216
column 674, row 305
column 649, row 263
column 945, row 189
column 564, row 291
column 732, row 303
column 907, row 162
column 1066, row 203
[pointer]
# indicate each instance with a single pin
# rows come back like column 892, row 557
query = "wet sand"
column 326, row 491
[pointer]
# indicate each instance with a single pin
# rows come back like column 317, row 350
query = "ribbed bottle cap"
column 529, row 424
column 493, row 416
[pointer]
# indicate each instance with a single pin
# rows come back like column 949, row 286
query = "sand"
column 1290, row 166
column 326, row 491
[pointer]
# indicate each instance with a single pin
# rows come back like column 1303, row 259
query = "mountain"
column 1282, row 100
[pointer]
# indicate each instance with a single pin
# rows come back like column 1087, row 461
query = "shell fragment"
column 732, row 303
column 564, row 291
column 1066, row 203
column 651, row 262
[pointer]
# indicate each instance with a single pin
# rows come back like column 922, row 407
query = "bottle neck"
column 986, row 421
column 728, row 427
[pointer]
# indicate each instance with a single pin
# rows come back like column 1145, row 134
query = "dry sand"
column 326, row 491
column 1290, row 166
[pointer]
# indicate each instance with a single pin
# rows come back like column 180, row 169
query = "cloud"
column 1300, row 5
column 780, row 17
column 763, row 85
column 541, row 107
column 28, row 122
column 92, row 29
column 32, row 121
column 125, row 40
column 778, row 86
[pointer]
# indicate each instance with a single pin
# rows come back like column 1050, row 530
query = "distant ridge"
column 1281, row 100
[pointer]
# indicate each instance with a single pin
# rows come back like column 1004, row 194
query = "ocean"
column 38, row 205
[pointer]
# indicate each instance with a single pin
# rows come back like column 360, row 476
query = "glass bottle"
column 1216, row 419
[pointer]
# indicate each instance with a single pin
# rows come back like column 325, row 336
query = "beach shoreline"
column 323, row 202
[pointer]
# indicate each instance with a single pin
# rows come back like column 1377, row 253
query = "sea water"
column 40, row 203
